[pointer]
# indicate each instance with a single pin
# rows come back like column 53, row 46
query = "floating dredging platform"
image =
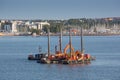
column 62, row 57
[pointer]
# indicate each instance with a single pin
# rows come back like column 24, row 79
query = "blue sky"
column 58, row 9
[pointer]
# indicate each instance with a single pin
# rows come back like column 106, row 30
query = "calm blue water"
column 15, row 66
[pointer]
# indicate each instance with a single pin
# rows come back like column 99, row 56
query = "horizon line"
column 59, row 19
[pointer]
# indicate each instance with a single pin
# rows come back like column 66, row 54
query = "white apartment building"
column 41, row 24
column 37, row 25
column 2, row 21
column 34, row 26
column 14, row 26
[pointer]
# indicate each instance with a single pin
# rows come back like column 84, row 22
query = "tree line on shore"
column 55, row 25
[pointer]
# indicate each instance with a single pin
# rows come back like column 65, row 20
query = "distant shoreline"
column 97, row 34
column 100, row 34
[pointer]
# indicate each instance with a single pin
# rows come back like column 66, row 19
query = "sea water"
column 14, row 65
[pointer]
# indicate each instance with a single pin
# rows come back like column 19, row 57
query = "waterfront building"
column 2, row 21
column 14, row 26
column 34, row 26
column 7, row 27
column 41, row 24
column 37, row 25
